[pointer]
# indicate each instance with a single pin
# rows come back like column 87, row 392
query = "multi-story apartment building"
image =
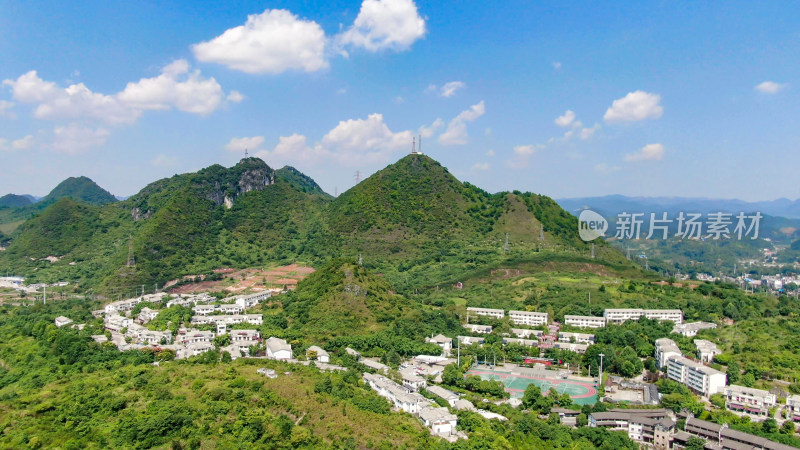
column 749, row 400
column 695, row 376
column 530, row 318
column 585, row 321
column 496, row 313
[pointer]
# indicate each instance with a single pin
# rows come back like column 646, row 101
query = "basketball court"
column 581, row 392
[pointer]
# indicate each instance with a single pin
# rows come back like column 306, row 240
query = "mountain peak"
column 80, row 188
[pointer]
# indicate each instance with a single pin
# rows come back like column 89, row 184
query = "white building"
column 439, row 420
column 793, row 407
column 496, row 313
column 244, row 335
column 115, row 322
column 231, row 308
column 706, row 350
column 248, row 301
column 585, row 321
column 691, row 329
column 571, row 346
column 402, row 398
column 580, row 338
column 61, row 321
column 254, row 319
column 482, row 329
column 749, row 400
column 374, row 365
column 446, row 394
column 204, row 310
column 525, row 333
column 665, row 349
column 442, row 341
column 318, row 354
column 147, row 314
column 194, row 336
column 412, row 380
column 518, row 341
column 529, row 318
column 620, row 315
column 695, row 376
column 469, row 340
column 278, row 349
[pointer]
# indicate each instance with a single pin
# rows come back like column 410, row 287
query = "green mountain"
column 15, row 201
column 80, row 188
column 412, row 222
column 343, row 298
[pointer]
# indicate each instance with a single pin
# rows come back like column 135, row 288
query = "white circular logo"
column 591, row 225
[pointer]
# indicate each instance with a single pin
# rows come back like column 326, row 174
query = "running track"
column 591, row 391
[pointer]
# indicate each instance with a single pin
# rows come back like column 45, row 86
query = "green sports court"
column 580, row 392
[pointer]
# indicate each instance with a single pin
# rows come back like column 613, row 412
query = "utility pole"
column 44, row 295
column 592, row 250
column 601, row 367
column 506, row 246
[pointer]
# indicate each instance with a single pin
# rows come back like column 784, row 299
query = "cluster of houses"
column 129, row 332
column 438, row 419
column 657, row 429
column 708, row 381
column 695, row 375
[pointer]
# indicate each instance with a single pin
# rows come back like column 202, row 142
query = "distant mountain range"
column 611, row 205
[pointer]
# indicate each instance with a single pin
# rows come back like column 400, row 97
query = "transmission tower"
column 592, row 250
column 629, row 253
column 131, row 260
column 506, row 246
column 360, row 260
column 541, row 232
column 358, row 176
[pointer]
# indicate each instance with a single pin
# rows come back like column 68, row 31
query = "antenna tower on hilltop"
column 246, row 155
column 358, row 176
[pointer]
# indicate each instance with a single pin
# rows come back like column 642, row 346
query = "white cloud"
column 399, row 100
column 175, row 87
column 164, row 161
column 19, row 144
column 235, row 97
column 566, row 119
column 770, row 87
column 5, row 109
column 428, row 131
column 635, row 106
column 649, row 152
column 456, row 133
column 354, row 143
column 605, row 168
column 385, row 25
column 74, row 138
column 490, row 153
column 524, row 150
column 556, row 65
column 239, row 145
column 23, row 144
column 587, row 133
column 271, row 42
column 481, row 166
column 341, row 91
column 449, row 89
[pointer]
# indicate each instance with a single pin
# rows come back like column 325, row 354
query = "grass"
column 10, row 227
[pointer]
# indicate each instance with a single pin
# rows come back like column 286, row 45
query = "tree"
column 452, row 375
column 718, row 400
column 695, row 443
column 769, row 426
column 582, row 420
column 788, row 427
column 532, row 395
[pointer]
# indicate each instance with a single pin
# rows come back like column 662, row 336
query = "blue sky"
column 566, row 99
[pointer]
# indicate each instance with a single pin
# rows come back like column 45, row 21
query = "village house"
column 442, row 341
column 448, row 395
column 231, row 309
column 706, row 350
column 481, row 329
column 495, row 313
column 61, row 321
column 691, row 329
column 318, row 354
column 146, row 315
column 412, row 380
column 278, row 349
